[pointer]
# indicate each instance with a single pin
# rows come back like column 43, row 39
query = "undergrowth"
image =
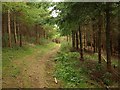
column 70, row 70
column 81, row 74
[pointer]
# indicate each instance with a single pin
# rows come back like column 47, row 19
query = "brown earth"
column 36, row 71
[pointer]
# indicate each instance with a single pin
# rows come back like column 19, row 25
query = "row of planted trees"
column 25, row 22
column 92, row 26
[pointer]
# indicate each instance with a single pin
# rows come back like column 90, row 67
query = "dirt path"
column 37, row 71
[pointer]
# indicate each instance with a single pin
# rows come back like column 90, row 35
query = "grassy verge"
column 70, row 70
column 77, row 74
column 12, row 55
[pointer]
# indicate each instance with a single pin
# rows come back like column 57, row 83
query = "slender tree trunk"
column 77, row 40
column 119, row 32
column 96, row 39
column 18, row 32
column 37, row 35
column 108, row 51
column 9, row 30
column 67, row 38
column 73, row 39
column 91, row 43
column 15, row 31
column 119, row 46
column 44, row 34
column 99, row 38
column 3, row 30
column 84, row 41
column 20, row 40
column 111, row 44
column 94, row 42
column 81, row 46
column 93, row 37
column 20, row 35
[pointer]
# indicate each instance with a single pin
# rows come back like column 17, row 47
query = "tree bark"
column 3, row 30
column 15, row 31
column 37, row 35
column 67, row 38
column 108, row 51
column 93, row 36
column 119, row 46
column 81, row 46
column 20, row 35
column 84, row 41
column 77, row 40
column 99, row 38
column 9, row 30
column 44, row 34
column 111, row 45
column 20, row 40
column 73, row 39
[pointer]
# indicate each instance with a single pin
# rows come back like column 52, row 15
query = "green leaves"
column 107, row 78
column 74, row 13
column 67, row 71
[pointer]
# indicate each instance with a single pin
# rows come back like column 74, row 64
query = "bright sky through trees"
column 54, row 12
column 56, row 0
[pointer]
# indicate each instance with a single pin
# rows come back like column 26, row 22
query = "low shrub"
column 65, row 47
column 107, row 78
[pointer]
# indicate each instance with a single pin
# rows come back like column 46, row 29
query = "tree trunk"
column 119, row 46
column 9, row 30
column 84, row 41
column 44, row 34
column 119, row 32
column 99, row 38
column 96, row 44
column 111, row 46
column 73, row 39
column 20, row 40
column 108, row 51
column 20, row 33
column 67, row 38
column 81, row 46
column 93, row 37
column 3, row 30
column 77, row 40
column 15, row 31
column 37, row 35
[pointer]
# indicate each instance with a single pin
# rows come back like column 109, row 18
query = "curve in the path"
column 36, row 71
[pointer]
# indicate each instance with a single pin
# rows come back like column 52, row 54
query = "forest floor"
column 37, row 66
column 32, row 71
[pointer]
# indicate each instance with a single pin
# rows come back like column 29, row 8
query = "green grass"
column 17, row 54
column 115, row 61
column 76, row 74
column 10, row 54
column 70, row 70
column 65, row 46
column 15, row 72
column 91, row 57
